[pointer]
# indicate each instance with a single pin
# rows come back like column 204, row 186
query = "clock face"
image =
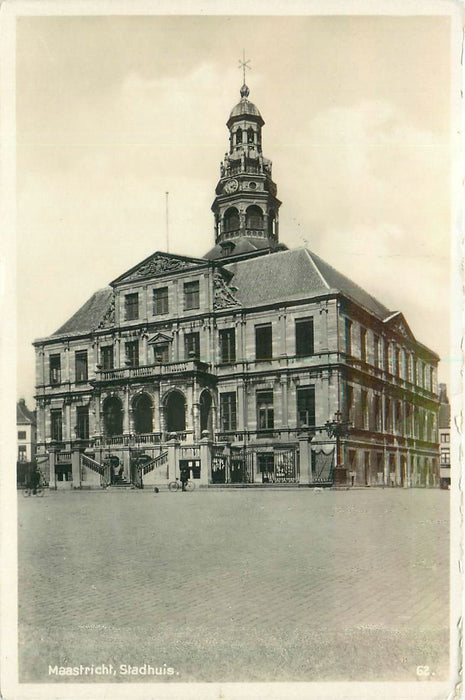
column 231, row 186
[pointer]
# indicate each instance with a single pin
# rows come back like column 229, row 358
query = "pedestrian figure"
column 34, row 480
column 184, row 478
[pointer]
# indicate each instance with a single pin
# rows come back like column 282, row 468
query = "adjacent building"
column 444, row 436
column 251, row 364
column 26, row 440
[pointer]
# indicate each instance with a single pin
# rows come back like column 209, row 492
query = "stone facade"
column 232, row 365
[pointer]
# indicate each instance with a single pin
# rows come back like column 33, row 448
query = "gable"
column 397, row 323
column 160, row 337
column 157, row 265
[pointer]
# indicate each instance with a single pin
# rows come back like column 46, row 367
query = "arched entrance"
column 175, row 412
column 112, row 416
column 142, row 413
column 205, row 412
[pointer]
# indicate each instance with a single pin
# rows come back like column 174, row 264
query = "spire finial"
column 244, row 64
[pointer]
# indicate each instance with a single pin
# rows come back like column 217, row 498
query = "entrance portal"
column 142, row 414
column 113, row 416
column 175, row 409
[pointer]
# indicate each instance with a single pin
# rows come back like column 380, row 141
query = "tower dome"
column 245, row 206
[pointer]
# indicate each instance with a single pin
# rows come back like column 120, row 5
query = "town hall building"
column 252, row 364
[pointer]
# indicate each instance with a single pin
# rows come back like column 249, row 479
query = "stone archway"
column 142, row 414
column 112, row 416
column 175, row 412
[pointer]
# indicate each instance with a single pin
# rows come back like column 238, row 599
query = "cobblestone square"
column 240, row 585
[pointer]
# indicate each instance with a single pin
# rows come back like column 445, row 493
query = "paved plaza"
column 240, row 585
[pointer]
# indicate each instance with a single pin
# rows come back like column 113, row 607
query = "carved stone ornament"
column 223, row 297
column 157, row 264
column 109, row 316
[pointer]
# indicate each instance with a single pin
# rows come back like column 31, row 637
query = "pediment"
column 398, row 324
column 160, row 338
column 158, row 264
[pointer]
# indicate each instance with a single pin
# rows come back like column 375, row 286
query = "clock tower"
column 245, row 207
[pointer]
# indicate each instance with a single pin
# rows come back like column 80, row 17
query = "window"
column 250, row 135
column 445, row 437
column 387, row 356
column 132, row 353
column 55, row 369
column 397, row 362
column 106, row 357
column 239, row 135
column 376, row 350
column 363, row 344
column 348, row 402
column 192, row 346
column 161, row 352
column 191, row 296
column 398, row 417
column 377, row 412
column 21, row 434
column 81, row 365
column 22, row 453
column 131, row 306
column 387, row 415
column 348, row 335
column 56, row 424
column 304, row 337
column 445, row 456
column 306, row 406
column 82, row 423
column 406, row 366
column 228, row 418
column 265, row 410
column 364, row 408
column 228, row 345
column 263, row 342
column 160, row 301
column 431, row 379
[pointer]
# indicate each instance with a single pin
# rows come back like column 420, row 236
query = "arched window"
column 239, row 135
column 113, row 416
column 250, row 135
column 175, row 412
column 254, row 217
column 272, row 227
column 142, row 407
column 231, row 219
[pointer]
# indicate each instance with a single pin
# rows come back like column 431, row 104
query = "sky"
column 112, row 112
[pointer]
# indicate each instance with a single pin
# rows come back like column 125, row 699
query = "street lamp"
column 338, row 428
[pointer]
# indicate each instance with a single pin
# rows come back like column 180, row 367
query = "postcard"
column 232, row 297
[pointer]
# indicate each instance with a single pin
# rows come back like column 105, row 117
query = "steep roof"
column 444, row 416
column 90, row 315
column 336, row 280
column 294, row 274
column 23, row 415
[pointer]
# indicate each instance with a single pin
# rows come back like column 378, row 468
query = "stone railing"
column 168, row 368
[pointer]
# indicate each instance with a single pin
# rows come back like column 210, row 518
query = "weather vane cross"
column 244, row 64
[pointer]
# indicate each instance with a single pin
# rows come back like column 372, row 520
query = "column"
column 305, row 459
column 52, row 479
column 173, row 459
column 284, row 406
column 205, row 461
column 126, row 426
column 76, row 468
column 241, row 419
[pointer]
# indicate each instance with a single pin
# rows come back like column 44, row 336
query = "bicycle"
column 33, row 491
column 177, row 486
